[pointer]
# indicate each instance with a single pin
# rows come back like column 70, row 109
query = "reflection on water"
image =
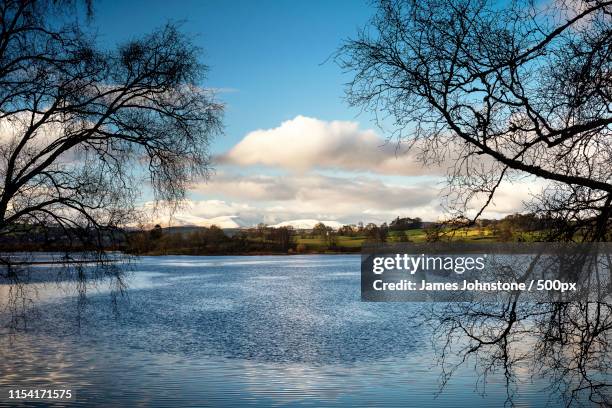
column 228, row 331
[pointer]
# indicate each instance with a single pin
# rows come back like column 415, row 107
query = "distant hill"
column 307, row 224
column 224, row 222
column 234, row 223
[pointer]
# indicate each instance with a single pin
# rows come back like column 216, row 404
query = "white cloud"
column 12, row 132
column 373, row 184
column 319, row 197
column 511, row 196
column 304, row 143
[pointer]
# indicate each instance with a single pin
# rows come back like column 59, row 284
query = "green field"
column 415, row 235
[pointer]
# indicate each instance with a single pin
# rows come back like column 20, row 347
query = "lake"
column 241, row 331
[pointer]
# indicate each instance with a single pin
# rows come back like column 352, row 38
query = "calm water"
column 236, row 331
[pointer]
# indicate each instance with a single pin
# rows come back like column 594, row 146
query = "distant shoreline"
column 56, row 262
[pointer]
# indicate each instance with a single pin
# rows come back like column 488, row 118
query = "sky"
column 292, row 147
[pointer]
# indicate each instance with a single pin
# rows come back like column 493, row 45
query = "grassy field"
column 414, row 235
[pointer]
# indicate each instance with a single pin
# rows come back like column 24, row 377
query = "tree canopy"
column 84, row 128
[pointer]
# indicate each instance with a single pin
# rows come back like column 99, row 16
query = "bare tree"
column 506, row 90
column 82, row 128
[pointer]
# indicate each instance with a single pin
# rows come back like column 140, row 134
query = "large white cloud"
column 305, row 143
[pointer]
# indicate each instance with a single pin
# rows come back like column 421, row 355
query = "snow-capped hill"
column 226, row 221
column 223, row 222
column 307, row 224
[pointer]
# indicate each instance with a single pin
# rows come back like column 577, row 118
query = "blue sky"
column 292, row 147
column 270, row 54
